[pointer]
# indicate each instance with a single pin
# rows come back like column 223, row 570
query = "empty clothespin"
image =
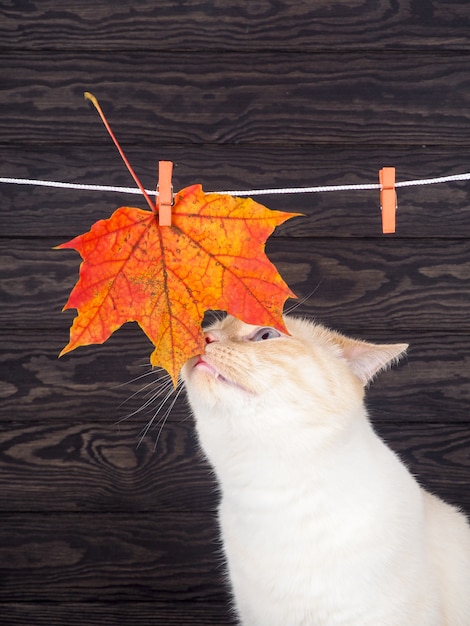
column 388, row 199
column 164, row 192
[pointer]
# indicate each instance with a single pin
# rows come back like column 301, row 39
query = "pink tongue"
column 201, row 364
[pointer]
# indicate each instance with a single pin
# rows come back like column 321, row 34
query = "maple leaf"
column 166, row 277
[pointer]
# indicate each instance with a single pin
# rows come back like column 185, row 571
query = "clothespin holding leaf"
column 388, row 199
column 164, row 192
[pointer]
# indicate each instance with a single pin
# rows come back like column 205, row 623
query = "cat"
column 321, row 523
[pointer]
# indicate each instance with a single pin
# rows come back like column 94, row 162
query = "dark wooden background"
column 95, row 529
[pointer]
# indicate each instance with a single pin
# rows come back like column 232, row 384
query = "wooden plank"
column 105, row 558
column 100, row 384
column 370, row 284
column 438, row 456
column 35, row 383
column 103, row 384
column 100, row 467
column 436, row 211
column 117, row 613
column 206, row 97
column 208, row 25
column 95, row 467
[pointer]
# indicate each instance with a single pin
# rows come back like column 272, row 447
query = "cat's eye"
column 262, row 334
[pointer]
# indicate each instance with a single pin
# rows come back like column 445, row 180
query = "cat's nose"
column 210, row 337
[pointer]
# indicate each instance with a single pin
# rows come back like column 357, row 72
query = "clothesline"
column 241, row 193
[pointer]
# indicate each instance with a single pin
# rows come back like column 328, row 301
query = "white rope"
column 52, row 183
column 406, row 183
column 432, row 181
column 293, row 190
column 250, row 192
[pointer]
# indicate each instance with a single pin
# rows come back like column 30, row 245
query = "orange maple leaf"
column 165, row 278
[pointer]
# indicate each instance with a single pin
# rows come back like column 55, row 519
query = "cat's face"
column 260, row 394
column 246, row 366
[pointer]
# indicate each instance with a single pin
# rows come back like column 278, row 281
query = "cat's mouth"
column 202, row 364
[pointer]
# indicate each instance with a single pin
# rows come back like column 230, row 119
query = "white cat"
column 322, row 525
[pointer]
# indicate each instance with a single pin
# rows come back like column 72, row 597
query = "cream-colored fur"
column 322, row 525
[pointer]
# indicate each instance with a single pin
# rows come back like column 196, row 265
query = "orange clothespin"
column 165, row 192
column 388, row 199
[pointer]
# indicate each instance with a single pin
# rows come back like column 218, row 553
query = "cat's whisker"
column 162, row 383
column 212, row 316
column 151, row 371
column 138, row 410
column 165, row 416
column 151, row 399
column 164, row 387
column 298, row 303
column 140, row 391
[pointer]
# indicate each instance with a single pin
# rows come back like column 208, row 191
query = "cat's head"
column 246, row 369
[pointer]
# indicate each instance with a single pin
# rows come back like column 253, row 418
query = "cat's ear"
column 368, row 359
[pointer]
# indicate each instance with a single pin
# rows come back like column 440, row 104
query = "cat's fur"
column 322, row 525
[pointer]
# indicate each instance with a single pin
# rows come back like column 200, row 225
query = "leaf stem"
column 91, row 98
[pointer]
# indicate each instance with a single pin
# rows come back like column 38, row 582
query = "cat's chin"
column 202, row 365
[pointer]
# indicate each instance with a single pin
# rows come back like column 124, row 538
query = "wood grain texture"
column 104, row 384
column 264, row 25
column 94, row 528
column 437, row 211
column 267, row 98
column 150, row 613
column 76, row 557
column 100, row 467
column 368, row 283
column 96, row 467
column 437, row 455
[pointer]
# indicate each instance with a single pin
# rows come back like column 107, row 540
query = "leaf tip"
column 172, row 372
column 64, row 350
